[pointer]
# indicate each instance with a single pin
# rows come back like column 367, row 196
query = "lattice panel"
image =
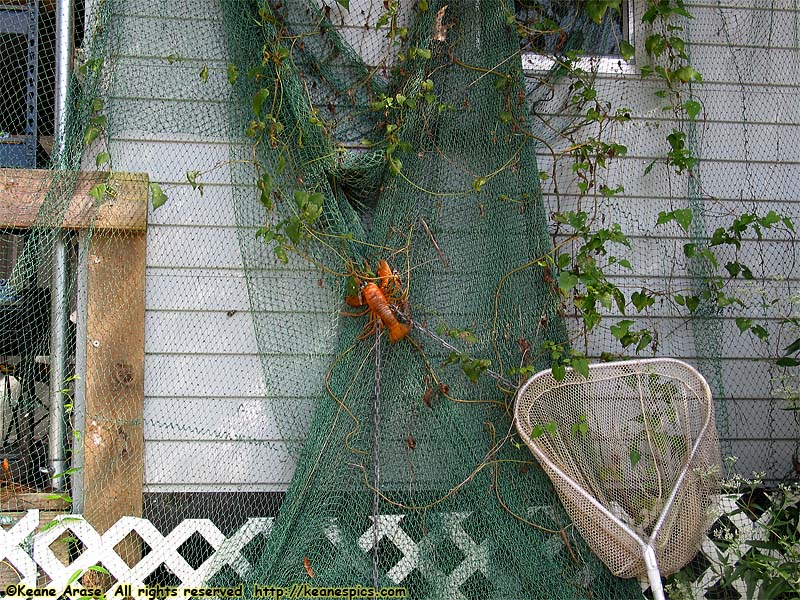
column 476, row 554
column 28, row 551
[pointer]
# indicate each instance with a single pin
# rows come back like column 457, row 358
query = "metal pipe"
column 65, row 29
column 59, row 306
column 79, row 385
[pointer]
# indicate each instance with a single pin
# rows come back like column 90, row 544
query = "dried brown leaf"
column 439, row 28
column 307, row 565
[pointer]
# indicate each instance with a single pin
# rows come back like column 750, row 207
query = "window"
column 551, row 28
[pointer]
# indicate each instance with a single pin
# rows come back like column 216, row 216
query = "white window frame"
column 612, row 65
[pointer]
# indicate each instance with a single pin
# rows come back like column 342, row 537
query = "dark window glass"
column 560, row 26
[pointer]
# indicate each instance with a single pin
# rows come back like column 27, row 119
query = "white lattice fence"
column 27, row 551
column 31, row 553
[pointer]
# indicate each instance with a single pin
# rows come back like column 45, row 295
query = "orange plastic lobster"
column 381, row 301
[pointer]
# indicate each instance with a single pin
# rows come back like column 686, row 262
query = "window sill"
column 607, row 65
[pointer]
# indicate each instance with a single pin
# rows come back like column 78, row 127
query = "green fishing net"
column 301, row 143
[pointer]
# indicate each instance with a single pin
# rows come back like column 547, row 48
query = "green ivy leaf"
column 642, row 300
column 293, row 229
column 644, row 341
column 204, row 74
column 98, row 192
column 316, row 199
column 581, row 365
column 265, row 186
column 559, row 372
column 581, row 427
column 596, row 9
column 567, row 281
column 743, row 324
column 90, row 135
column 760, row 332
column 551, row 427
column 627, row 50
column 344, row 4
column 692, row 108
column 280, row 254
column 473, row 368
column 233, row 74
column 621, row 328
column 191, row 176
column 300, row 198
column 635, row 457
column 687, row 74
column 102, row 159
column 655, row 45
column 159, row 197
column 258, row 100
column 683, row 216
column 793, row 347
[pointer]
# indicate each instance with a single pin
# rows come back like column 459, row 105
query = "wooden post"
column 114, row 436
column 114, row 377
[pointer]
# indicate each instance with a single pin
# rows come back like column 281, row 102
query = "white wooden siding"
column 750, row 161
column 204, row 385
column 209, row 417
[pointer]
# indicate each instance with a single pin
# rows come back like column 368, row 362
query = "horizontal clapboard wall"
column 204, row 385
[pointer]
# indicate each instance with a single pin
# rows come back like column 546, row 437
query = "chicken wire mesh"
column 27, row 109
column 259, row 398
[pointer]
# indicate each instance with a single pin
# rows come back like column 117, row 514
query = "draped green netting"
column 298, row 144
column 384, row 445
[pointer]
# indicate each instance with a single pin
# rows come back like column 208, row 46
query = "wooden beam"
column 114, row 434
column 113, row 441
column 23, row 193
column 20, row 499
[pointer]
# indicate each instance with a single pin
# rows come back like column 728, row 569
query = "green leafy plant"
column 767, row 557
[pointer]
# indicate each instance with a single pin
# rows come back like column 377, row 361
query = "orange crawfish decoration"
column 382, row 300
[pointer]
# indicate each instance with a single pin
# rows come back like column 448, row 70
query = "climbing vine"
column 588, row 249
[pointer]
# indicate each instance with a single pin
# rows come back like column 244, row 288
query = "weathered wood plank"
column 114, row 438
column 23, row 193
column 19, row 500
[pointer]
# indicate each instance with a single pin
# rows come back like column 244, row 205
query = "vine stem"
column 493, row 374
